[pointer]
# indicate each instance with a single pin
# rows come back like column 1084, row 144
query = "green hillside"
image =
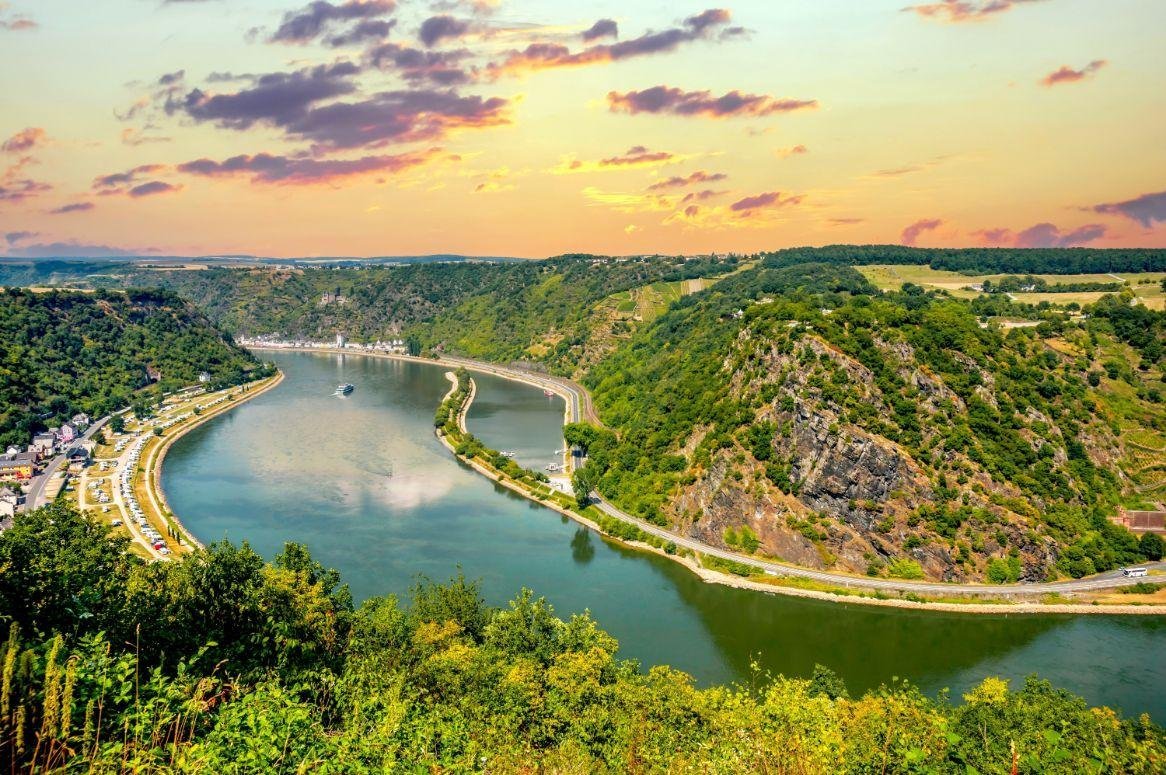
column 65, row 352
column 897, row 432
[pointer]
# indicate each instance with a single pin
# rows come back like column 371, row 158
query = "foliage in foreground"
column 222, row 663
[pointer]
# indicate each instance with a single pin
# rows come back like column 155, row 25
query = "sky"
column 536, row 127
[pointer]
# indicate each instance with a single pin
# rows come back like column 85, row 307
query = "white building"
column 340, row 341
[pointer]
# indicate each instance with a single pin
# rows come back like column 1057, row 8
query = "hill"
column 65, row 352
column 797, row 411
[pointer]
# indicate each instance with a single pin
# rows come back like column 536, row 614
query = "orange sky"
column 373, row 127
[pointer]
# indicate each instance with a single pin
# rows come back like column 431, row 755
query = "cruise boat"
column 345, row 389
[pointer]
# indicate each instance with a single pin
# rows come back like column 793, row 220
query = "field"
column 648, row 302
column 1147, row 286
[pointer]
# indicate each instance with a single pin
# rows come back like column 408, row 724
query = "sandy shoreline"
column 711, row 576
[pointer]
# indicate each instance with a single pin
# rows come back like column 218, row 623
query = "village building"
column 8, row 503
column 45, row 444
column 17, row 466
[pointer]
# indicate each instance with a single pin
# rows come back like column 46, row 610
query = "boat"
column 345, row 389
column 548, row 393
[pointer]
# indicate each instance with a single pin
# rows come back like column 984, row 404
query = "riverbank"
column 154, row 458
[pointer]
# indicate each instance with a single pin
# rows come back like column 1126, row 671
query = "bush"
column 904, row 568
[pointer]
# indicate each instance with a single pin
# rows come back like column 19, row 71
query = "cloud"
column 956, row 11
column 15, row 22
column 542, row 55
column 437, row 28
column 911, row 234
column 13, row 237
column 75, row 249
column 793, row 150
column 152, row 188
column 636, row 156
column 369, row 29
column 413, row 64
column 76, row 207
column 136, row 137
column 767, row 200
column 291, row 102
column 845, row 221
column 604, row 28
column 19, row 189
column 1067, row 74
column 702, row 196
column 306, row 24
column 1041, row 235
column 700, row 176
column 396, row 117
column 25, row 140
column 667, row 99
column 1146, row 209
column 116, row 179
column 272, row 169
column 629, row 202
column 279, row 98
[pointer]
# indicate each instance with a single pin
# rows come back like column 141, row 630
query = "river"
column 362, row 481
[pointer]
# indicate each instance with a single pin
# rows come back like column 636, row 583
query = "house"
column 66, row 434
column 204, row 376
column 78, row 458
column 17, row 466
column 45, row 444
column 80, row 421
column 8, row 503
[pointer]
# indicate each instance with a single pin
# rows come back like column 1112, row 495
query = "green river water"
column 365, row 484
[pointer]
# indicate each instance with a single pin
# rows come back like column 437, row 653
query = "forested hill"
column 64, row 352
column 523, row 310
column 800, row 412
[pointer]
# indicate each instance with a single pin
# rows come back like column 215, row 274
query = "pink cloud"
column 668, row 99
column 955, row 11
column 911, row 234
column 1041, row 235
column 1067, row 74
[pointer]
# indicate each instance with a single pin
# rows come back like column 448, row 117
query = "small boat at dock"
column 548, row 393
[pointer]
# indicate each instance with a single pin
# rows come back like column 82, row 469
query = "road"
column 35, row 497
column 579, row 403
column 1103, row 581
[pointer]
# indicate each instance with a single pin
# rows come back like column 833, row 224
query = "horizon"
column 517, row 128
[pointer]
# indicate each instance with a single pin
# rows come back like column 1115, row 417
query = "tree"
column 582, row 485
column 117, row 424
column 1152, row 546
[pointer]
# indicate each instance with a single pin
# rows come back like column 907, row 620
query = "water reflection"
column 582, row 550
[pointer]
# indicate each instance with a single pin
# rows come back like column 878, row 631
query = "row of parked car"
column 126, row 481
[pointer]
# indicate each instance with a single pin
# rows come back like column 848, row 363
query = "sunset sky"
column 533, row 128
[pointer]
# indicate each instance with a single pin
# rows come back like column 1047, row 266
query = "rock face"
column 836, row 469
column 827, row 493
